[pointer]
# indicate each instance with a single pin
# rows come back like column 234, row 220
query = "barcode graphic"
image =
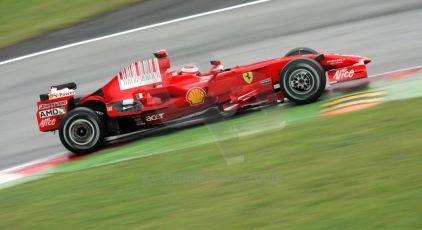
column 139, row 73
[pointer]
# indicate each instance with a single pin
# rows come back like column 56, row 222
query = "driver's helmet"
column 190, row 69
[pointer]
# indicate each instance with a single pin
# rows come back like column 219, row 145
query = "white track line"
column 133, row 30
column 10, row 174
column 34, row 162
column 394, row 71
column 9, row 177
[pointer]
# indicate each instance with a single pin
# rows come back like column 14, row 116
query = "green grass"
column 356, row 171
column 21, row 20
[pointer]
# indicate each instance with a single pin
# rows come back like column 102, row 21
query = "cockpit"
column 187, row 70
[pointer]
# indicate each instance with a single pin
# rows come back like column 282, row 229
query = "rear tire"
column 302, row 80
column 82, row 131
column 300, row 51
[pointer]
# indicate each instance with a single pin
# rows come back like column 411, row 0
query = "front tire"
column 302, row 80
column 81, row 131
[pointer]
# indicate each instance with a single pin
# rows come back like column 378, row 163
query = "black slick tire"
column 302, row 80
column 81, row 131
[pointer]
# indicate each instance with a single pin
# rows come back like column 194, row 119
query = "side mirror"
column 215, row 62
column 160, row 54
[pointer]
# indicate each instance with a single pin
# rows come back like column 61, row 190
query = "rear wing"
column 54, row 105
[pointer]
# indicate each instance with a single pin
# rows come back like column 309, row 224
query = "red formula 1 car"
column 145, row 95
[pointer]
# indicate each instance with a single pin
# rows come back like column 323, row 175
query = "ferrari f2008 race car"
column 146, row 95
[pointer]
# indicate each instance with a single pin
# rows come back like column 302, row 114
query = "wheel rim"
column 81, row 132
column 301, row 81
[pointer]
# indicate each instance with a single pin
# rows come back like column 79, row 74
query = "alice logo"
column 195, row 96
column 248, row 77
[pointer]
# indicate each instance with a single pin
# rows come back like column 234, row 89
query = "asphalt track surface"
column 388, row 31
column 146, row 12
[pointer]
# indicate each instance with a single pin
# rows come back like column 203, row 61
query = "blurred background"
column 359, row 170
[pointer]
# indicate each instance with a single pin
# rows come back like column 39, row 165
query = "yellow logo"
column 248, row 77
column 195, row 96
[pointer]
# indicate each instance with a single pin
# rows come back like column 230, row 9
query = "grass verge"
column 21, row 20
column 359, row 171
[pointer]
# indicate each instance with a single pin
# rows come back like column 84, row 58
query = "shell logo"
column 195, row 96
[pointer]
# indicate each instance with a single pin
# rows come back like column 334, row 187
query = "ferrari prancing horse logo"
column 248, row 77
